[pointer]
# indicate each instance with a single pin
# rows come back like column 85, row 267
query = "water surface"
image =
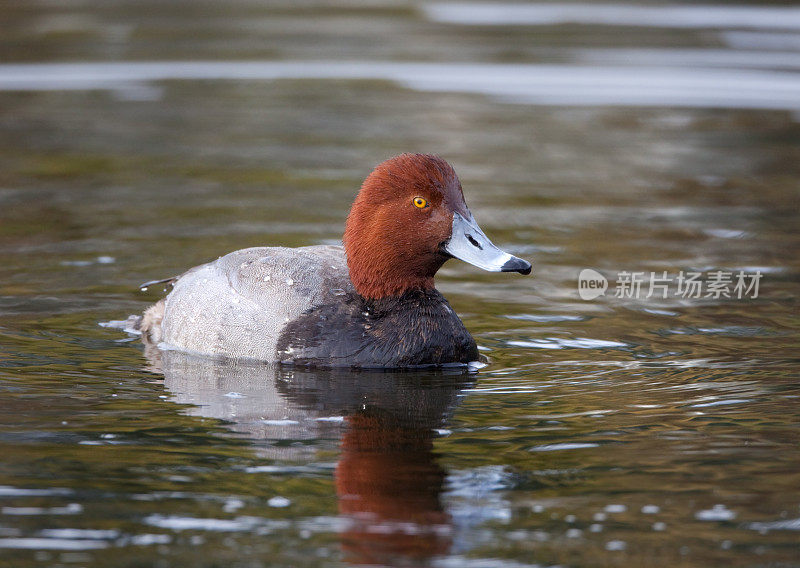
column 618, row 431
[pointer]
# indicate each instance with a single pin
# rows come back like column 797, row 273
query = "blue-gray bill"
column 468, row 243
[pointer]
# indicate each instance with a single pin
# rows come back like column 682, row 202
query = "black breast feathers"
column 417, row 329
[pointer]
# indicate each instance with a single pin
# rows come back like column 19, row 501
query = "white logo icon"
column 591, row 284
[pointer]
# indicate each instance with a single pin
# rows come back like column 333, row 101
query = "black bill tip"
column 515, row 264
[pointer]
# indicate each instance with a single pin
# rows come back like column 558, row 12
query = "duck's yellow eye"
column 420, row 202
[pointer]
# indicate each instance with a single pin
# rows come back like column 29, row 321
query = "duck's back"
column 238, row 305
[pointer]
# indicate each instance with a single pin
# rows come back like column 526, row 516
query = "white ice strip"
column 665, row 16
column 727, row 58
column 561, row 85
column 762, row 40
column 716, row 513
column 52, row 544
column 630, row 86
column 10, row 491
column 781, row 525
column 564, row 446
column 80, row 533
column 70, row 509
column 565, row 343
column 178, row 523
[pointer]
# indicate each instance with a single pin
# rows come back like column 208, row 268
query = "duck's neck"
column 377, row 279
column 388, row 286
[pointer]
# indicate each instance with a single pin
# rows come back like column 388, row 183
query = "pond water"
column 631, row 429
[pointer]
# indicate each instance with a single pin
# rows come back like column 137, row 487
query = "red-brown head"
column 409, row 218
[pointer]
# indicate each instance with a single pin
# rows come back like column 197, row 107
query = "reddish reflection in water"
column 389, row 483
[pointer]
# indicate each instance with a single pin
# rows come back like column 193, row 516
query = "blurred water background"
column 140, row 138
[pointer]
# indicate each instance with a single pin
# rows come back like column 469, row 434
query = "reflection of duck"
column 375, row 306
column 387, row 478
column 389, row 484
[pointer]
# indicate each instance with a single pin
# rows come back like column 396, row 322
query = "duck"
column 369, row 303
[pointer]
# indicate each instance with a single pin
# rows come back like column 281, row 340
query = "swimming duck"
column 370, row 303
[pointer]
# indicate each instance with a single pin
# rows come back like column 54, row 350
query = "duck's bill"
column 468, row 243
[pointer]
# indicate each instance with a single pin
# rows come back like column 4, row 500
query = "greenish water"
column 618, row 431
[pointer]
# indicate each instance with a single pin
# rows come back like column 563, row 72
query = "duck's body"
column 371, row 303
column 298, row 305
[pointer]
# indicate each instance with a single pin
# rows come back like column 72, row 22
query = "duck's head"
column 408, row 219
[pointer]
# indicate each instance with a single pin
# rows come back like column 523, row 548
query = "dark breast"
column 417, row 329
